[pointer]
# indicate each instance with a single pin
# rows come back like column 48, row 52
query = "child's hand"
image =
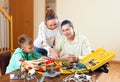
column 24, row 65
column 27, row 64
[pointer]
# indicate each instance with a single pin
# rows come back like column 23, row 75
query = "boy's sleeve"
column 17, row 60
column 36, row 55
column 14, row 63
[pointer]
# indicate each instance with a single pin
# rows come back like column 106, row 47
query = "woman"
column 48, row 30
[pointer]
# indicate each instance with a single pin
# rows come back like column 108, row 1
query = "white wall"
column 39, row 14
column 99, row 20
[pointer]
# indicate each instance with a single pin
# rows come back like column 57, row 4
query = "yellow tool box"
column 92, row 61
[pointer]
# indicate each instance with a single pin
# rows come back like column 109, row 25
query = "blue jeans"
column 41, row 51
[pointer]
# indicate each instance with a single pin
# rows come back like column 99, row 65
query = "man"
column 72, row 45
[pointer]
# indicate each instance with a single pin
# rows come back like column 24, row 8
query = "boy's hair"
column 66, row 22
column 24, row 39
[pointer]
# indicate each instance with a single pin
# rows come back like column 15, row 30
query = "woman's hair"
column 66, row 22
column 24, row 39
column 50, row 14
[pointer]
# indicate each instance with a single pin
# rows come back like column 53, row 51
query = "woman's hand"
column 53, row 54
column 44, row 58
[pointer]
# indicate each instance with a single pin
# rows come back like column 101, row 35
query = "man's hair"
column 24, row 39
column 66, row 22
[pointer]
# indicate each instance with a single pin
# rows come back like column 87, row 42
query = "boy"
column 25, row 51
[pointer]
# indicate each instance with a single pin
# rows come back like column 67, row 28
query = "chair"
column 4, row 61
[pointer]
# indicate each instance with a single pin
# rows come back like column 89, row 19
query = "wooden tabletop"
column 6, row 78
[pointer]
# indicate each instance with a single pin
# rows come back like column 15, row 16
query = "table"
column 112, row 76
column 6, row 78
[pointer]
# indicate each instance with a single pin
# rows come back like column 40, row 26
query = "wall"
column 97, row 19
column 39, row 14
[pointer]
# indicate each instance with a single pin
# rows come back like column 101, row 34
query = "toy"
column 25, row 75
column 28, row 69
column 77, row 78
column 39, row 65
column 96, row 60
column 49, row 74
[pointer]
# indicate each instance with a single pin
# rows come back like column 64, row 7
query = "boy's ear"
column 22, row 48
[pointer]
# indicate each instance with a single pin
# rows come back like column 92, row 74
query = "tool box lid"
column 97, row 58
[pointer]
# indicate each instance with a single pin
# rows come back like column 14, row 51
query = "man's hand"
column 61, row 55
column 72, row 58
